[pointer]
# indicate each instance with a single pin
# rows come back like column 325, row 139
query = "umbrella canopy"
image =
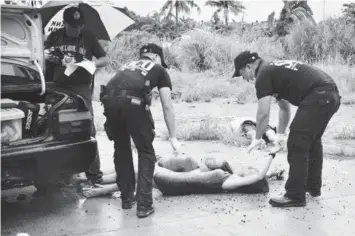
column 103, row 20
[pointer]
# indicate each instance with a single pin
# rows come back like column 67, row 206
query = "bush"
column 202, row 50
column 206, row 86
column 329, row 40
column 126, row 47
column 343, row 76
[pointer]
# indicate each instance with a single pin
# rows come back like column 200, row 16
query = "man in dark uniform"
column 69, row 45
column 317, row 97
column 126, row 100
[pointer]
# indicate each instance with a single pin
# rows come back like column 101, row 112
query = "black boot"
column 144, row 211
column 287, row 202
column 128, row 203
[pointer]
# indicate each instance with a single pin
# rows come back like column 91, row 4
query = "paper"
column 70, row 69
column 87, row 65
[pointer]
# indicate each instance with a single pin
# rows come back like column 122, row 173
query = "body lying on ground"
column 184, row 176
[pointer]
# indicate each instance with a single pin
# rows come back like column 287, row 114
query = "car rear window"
column 16, row 74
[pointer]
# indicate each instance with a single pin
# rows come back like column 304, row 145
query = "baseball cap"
column 153, row 48
column 242, row 59
column 73, row 16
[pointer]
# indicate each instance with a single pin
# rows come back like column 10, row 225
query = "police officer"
column 72, row 44
column 317, row 98
column 126, row 100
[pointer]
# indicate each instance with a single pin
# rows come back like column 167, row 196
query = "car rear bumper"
column 47, row 160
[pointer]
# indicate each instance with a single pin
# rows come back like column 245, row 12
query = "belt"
column 322, row 88
column 127, row 93
column 328, row 88
column 130, row 96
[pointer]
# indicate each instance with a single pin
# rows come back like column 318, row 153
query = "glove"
column 254, row 144
column 280, row 143
column 175, row 144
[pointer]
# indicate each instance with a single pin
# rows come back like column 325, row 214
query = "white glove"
column 280, row 143
column 255, row 144
column 175, row 145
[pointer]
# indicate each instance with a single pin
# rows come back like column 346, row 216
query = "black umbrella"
column 104, row 27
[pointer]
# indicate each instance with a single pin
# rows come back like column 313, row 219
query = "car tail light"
column 72, row 124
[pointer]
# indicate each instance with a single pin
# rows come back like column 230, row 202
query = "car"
column 45, row 132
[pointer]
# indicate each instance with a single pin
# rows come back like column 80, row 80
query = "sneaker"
column 128, row 203
column 144, row 211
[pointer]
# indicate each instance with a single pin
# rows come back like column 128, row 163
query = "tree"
column 235, row 7
column 349, row 12
column 294, row 12
column 178, row 7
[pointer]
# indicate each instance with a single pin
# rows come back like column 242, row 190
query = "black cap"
column 153, row 48
column 242, row 59
column 73, row 16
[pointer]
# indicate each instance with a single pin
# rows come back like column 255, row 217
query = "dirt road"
column 67, row 212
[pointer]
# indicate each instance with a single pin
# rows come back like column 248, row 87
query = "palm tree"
column 235, row 7
column 178, row 7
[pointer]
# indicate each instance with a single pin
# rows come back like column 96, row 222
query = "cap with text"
column 242, row 60
column 153, row 48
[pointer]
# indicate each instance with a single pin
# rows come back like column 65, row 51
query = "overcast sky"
column 255, row 9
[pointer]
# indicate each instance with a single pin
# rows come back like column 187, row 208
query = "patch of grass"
column 339, row 151
column 343, row 76
column 330, row 39
column 203, row 51
column 345, row 133
column 194, row 87
column 348, row 99
column 210, row 130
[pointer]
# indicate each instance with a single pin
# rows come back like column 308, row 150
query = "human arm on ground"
column 284, row 116
column 236, row 181
column 100, row 190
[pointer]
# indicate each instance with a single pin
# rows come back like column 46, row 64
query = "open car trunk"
column 31, row 113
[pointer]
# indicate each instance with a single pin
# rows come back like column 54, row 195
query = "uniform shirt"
column 132, row 76
column 80, row 81
column 86, row 45
column 289, row 80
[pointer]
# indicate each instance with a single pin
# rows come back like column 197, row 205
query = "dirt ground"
column 68, row 212
column 226, row 110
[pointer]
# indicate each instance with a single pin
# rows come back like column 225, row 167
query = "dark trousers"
column 126, row 120
column 305, row 151
column 94, row 174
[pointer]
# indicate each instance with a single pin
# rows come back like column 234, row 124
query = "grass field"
column 206, row 98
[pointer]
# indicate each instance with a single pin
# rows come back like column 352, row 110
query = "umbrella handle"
column 272, row 155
